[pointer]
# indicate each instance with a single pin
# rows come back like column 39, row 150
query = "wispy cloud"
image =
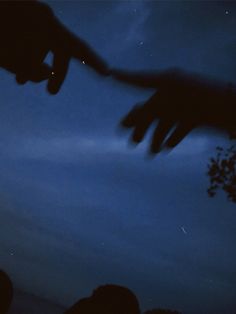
column 77, row 147
column 136, row 14
column 131, row 18
column 65, row 149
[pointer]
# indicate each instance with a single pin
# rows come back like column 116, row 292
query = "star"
column 83, row 62
column 226, row 12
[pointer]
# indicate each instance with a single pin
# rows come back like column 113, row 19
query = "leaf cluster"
column 222, row 172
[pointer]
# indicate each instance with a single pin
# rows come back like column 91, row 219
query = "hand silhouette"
column 28, row 31
column 183, row 101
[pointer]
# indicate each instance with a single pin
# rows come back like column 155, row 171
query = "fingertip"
column 53, row 86
column 132, row 143
column 151, row 154
column 136, row 137
column 52, row 89
column 136, row 141
column 154, row 149
column 168, row 147
column 20, row 79
column 59, row 70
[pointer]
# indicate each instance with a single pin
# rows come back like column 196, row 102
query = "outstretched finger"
column 178, row 135
column 59, row 70
column 142, row 125
column 132, row 118
column 140, row 79
column 154, row 79
column 160, row 133
column 77, row 48
column 81, row 51
column 140, row 131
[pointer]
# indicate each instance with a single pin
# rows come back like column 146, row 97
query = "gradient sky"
column 79, row 206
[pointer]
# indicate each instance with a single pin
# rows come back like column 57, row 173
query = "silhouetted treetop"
column 107, row 299
column 222, row 172
column 6, row 292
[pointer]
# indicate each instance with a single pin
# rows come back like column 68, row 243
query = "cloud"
column 140, row 12
column 129, row 19
column 65, row 149
column 72, row 148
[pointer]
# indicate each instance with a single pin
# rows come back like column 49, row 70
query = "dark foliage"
column 222, row 172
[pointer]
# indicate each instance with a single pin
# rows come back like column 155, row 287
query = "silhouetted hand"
column 28, row 31
column 183, row 101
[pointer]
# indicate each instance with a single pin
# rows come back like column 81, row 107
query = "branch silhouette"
column 182, row 102
column 28, row 31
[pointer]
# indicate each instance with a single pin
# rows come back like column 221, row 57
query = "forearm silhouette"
column 28, row 31
column 182, row 102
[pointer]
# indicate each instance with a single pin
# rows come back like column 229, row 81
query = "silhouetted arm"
column 148, row 79
column 28, row 31
column 182, row 102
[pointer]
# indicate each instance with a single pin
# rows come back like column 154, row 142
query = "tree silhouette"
column 107, row 299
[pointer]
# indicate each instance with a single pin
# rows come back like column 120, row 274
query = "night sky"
column 80, row 207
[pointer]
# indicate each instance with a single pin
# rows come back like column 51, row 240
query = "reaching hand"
column 182, row 102
column 28, row 31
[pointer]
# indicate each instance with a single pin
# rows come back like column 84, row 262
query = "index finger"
column 80, row 50
column 59, row 70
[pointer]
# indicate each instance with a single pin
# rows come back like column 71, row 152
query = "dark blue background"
column 79, row 207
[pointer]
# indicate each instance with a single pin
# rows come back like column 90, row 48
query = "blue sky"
column 79, row 206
